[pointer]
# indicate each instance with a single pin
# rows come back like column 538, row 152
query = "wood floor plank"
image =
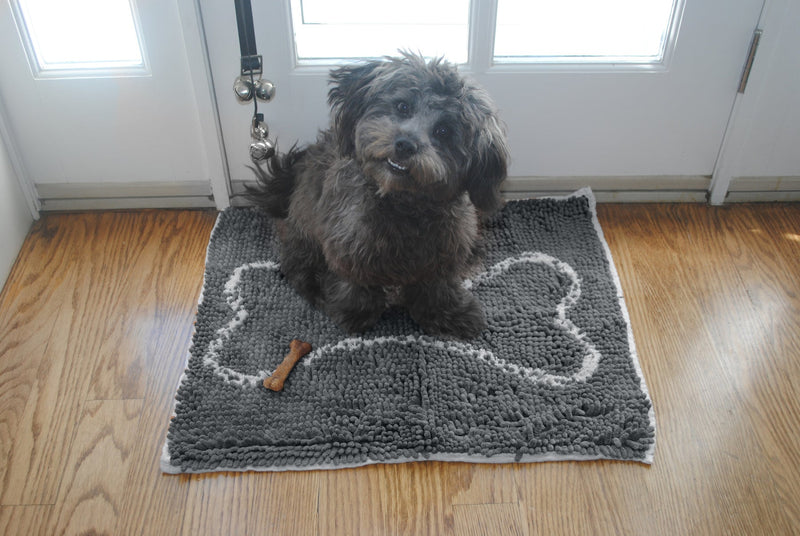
column 20, row 362
column 756, row 302
column 691, row 287
column 407, row 499
column 355, row 501
column 31, row 308
column 419, row 498
column 87, row 331
column 161, row 277
column 174, row 288
column 252, row 503
column 116, row 373
column 96, row 473
column 38, row 439
column 764, row 344
column 52, row 406
column 24, row 520
column 38, row 271
column 412, row 498
column 482, row 519
column 483, row 483
column 568, row 498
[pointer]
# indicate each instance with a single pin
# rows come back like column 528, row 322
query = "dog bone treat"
column 297, row 349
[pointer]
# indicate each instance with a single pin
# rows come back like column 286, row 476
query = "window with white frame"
column 348, row 29
column 524, row 31
column 569, row 31
column 81, row 37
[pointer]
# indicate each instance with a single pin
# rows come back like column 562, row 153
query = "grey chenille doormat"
column 554, row 377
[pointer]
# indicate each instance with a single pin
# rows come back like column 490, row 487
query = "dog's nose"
column 404, row 147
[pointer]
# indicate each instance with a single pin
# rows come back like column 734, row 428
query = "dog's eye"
column 403, row 108
column 442, row 132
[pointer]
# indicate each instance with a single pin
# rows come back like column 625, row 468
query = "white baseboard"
column 632, row 189
column 659, row 189
column 756, row 189
column 648, row 196
column 128, row 195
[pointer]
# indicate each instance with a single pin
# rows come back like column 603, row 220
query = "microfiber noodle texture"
column 555, row 375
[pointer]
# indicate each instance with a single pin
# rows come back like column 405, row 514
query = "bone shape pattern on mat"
column 589, row 360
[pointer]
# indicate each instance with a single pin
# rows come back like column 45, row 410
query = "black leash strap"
column 251, row 61
column 247, row 87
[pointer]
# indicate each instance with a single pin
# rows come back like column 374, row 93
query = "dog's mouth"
column 396, row 167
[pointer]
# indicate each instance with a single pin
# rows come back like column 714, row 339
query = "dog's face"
column 418, row 126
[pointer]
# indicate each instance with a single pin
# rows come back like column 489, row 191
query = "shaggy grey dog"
column 385, row 206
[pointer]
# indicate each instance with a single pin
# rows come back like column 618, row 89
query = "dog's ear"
column 348, row 99
column 488, row 163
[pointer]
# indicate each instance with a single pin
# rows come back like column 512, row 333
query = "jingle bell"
column 265, row 90
column 243, row 89
column 261, row 150
column 259, row 129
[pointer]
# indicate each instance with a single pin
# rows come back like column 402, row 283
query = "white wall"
column 15, row 217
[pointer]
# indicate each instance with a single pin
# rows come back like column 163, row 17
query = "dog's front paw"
column 354, row 321
column 462, row 324
column 354, row 308
column 448, row 310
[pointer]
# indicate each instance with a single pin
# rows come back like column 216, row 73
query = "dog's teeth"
column 396, row 166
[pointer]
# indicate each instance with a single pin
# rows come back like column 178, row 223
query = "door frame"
column 206, row 101
column 745, row 107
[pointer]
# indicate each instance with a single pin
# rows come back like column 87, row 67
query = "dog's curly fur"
column 390, row 196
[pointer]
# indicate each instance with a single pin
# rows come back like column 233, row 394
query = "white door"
column 95, row 121
column 621, row 122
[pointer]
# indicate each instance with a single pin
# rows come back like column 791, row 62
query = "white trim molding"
column 205, row 99
column 25, row 184
column 125, row 195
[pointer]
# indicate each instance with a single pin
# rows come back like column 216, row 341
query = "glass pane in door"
column 578, row 31
column 66, row 38
column 347, row 29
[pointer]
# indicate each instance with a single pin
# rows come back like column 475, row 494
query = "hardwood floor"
column 96, row 318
